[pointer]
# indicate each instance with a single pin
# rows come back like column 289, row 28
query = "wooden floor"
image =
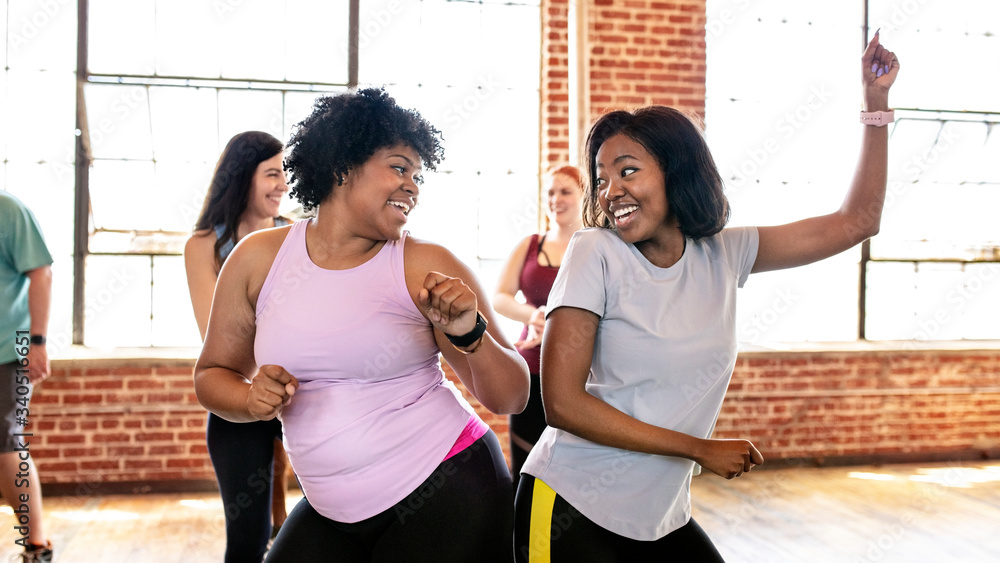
column 895, row 513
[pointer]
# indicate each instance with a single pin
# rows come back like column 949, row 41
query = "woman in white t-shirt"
column 640, row 340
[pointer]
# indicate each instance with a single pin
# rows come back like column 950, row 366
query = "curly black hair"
column 343, row 132
column 693, row 184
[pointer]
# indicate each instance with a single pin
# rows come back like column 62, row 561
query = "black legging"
column 527, row 427
column 243, row 457
column 574, row 538
column 463, row 512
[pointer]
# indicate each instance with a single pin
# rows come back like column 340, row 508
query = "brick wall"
column 99, row 423
column 639, row 53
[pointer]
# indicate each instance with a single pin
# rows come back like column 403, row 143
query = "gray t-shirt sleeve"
column 582, row 278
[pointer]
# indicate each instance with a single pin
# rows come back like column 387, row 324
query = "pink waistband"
column 474, row 429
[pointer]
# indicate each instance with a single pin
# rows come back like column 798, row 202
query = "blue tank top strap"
column 227, row 248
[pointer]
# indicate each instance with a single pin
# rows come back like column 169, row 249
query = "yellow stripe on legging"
column 540, row 534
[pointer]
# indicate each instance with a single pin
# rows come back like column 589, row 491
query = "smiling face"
column 632, row 192
column 564, row 199
column 267, row 188
column 380, row 193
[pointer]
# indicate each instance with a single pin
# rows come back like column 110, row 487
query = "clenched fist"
column 270, row 389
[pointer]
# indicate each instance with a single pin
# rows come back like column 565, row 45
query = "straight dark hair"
column 229, row 192
column 692, row 181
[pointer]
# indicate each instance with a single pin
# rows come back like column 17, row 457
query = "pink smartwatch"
column 878, row 118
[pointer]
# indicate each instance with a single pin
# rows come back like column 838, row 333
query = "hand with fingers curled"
column 729, row 458
column 879, row 67
column 270, row 390
column 536, row 326
column 450, row 304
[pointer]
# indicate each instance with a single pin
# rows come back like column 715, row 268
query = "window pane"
column 181, row 188
column 250, row 39
column 249, row 110
column 40, row 108
column 173, row 317
column 506, row 53
column 386, row 29
column 818, row 302
column 933, row 301
column 453, row 40
column 113, row 23
column 3, row 44
column 188, row 37
column 316, row 40
column 41, row 35
column 117, row 301
column 123, row 195
column 920, row 29
column 185, row 124
column 118, row 121
column 508, row 211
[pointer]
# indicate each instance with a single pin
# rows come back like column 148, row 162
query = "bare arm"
column 509, row 283
column 449, row 295
column 226, row 377
column 199, row 264
column 39, row 301
column 567, row 352
column 859, row 216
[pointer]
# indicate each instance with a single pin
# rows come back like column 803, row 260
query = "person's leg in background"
column 242, row 455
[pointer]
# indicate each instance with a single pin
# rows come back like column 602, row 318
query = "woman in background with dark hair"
column 244, row 196
column 640, row 341
column 531, row 269
column 337, row 324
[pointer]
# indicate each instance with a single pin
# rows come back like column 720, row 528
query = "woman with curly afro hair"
column 344, row 316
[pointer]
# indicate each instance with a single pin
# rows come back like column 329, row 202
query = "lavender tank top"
column 374, row 414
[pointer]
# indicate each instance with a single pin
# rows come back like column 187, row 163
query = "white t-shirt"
column 664, row 353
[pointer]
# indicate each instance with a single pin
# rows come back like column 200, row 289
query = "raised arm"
column 449, row 295
column 809, row 240
column 567, row 352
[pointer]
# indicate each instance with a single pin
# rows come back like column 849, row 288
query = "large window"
column 165, row 84
column 781, row 115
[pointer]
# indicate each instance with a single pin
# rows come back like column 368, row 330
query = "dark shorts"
column 13, row 386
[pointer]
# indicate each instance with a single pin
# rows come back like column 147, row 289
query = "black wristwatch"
column 37, row 339
column 470, row 337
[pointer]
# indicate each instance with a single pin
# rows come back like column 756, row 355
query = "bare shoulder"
column 200, row 242
column 425, row 256
column 258, row 249
column 252, row 258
